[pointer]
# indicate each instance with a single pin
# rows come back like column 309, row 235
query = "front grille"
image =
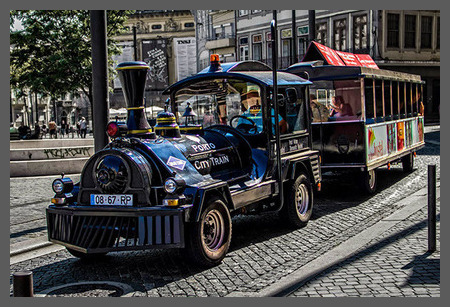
column 114, row 232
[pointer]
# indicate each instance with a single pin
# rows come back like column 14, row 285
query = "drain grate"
column 89, row 289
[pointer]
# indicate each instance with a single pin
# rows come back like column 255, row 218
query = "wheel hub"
column 213, row 230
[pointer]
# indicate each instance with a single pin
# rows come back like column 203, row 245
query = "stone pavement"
column 394, row 264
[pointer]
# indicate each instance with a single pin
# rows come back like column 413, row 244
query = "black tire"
column 298, row 206
column 369, row 181
column 408, row 163
column 84, row 256
column 208, row 240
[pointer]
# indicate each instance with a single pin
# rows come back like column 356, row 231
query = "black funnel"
column 132, row 76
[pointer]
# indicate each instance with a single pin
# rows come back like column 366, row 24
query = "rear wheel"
column 298, row 207
column 408, row 163
column 209, row 239
column 369, row 181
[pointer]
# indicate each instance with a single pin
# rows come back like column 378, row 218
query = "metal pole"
column 294, row 39
column 431, row 208
column 273, row 29
column 311, row 25
column 23, row 284
column 99, row 78
column 135, row 43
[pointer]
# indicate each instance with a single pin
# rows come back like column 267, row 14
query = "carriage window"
column 368, row 97
column 409, row 99
column 402, row 100
column 387, row 100
column 395, row 100
column 379, row 112
column 294, row 108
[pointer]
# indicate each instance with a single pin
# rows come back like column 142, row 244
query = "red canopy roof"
column 330, row 56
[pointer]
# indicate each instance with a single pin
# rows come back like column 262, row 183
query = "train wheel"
column 84, row 256
column 298, row 207
column 369, row 181
column 408, row 163
column 209, row 239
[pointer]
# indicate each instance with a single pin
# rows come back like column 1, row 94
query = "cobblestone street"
column 263, row 250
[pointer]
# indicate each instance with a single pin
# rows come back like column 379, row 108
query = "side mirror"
column 291, row 94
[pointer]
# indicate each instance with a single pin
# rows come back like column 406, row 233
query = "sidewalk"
column 389, row 259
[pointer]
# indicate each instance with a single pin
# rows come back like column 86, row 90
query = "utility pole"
column 99, row 78
column 311, row 25
column 294, row 39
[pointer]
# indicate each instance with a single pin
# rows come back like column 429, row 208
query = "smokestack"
column 132, row 76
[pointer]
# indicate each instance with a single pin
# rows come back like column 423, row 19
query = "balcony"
column 221, row 41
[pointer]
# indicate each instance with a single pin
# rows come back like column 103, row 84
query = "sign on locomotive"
column 179, row 186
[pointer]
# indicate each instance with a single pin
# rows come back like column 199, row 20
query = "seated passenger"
column 340, row 108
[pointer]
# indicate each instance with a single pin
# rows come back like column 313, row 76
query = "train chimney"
column 132, row 76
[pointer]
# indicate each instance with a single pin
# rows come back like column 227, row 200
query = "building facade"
column 406, row 41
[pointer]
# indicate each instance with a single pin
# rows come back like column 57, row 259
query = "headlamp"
column 58, row 186
column 62, row 185
column 172, row 185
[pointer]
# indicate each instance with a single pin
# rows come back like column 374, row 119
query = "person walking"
column 52, row 129
column 83, row 127
column 63, row 127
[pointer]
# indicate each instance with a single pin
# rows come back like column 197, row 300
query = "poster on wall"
column 400, row 136
column 154, row 53
column 377, row 142
column 185, row 49
column 126, row 56
column 391, row 138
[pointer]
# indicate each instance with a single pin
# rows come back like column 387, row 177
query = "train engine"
column 164, row 189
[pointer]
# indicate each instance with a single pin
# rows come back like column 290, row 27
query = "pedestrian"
column 78, row 129
column 52, row 129
column 37, row 131
column 63, row 127
column 83, row 127
column 44, row 130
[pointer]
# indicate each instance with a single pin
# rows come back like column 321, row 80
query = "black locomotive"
column 178, row 184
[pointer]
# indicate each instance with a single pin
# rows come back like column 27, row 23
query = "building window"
column 340, row 34
column 243, row 53
column 321, row 33
column 410, row 31
column 360, row 32
column 426, row 32
column 189, row 25
column 393, row 39
column 256, row 11
column 257, row 47
column 243, row 12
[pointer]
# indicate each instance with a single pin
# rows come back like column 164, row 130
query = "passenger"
column 318, row 110
column 340, row 108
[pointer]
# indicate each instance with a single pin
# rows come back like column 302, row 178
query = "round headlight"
column 170, row 186
column 58, row 186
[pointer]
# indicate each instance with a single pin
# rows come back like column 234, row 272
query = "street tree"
column 51, row 53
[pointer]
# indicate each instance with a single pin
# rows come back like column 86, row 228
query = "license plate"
column 112, row 199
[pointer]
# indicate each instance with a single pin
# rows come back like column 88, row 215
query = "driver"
column 251, row 103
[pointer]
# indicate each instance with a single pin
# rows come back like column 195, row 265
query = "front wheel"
column 209, row 239
column 298, row 207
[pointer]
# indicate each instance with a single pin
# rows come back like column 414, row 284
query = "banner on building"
column 185, row 50
column 127, row 55
column 154, row 53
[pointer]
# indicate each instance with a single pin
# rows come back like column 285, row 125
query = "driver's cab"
column 236, row 101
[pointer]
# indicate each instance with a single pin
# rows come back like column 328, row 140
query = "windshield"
column 219, row 101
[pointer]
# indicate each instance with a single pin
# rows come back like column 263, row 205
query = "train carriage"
column 379, row 118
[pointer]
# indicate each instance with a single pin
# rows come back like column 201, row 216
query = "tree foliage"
column 51, row 55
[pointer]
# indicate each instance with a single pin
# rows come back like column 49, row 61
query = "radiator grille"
column 96, row 233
